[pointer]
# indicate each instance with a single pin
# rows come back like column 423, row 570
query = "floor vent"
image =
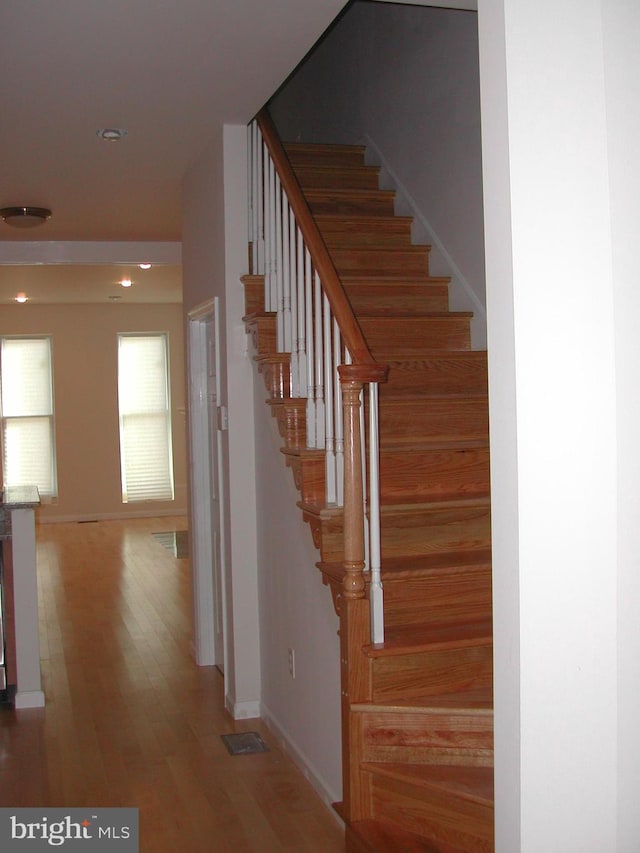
column 244, row 743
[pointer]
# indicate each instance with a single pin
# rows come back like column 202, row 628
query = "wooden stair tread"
column 432, row 396
column 469, row 783
column 303, row 452
column 326, row 510
column 389, row 279
column 388, row 444
column 395, row 568
column 398, row 567
column 473, row 699
column 427, row 315
column 324, row 151
column 338, row 221
column 379, row 836
column 415, row 638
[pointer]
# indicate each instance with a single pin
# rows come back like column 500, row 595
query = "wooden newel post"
column 353, row 581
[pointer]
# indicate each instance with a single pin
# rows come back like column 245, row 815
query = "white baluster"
column 272, row 300
column 279, row 269
column 258, row 205
column 363, row 456
column 302, row 322
column 286, row 278
column 294, row 376
column 311, row 400
column 329, row 437
column 250, row 189
column 376, row 600
column 338, row 417
column 319, row 361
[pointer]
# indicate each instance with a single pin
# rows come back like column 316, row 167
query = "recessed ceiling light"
column 21, row 298
column 126, row 282
column 25, row 217
column 114, row 298
column 145, row 266
column 111, row 134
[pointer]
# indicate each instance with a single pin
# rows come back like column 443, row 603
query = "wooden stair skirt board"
column 417, row 710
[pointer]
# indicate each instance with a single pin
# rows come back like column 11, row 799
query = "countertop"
column 16, row 497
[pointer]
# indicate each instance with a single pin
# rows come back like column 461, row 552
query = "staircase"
column 417, row 710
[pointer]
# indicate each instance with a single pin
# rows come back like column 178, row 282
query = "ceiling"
column 169, row 72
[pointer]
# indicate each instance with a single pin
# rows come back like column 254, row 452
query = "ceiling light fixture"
column 25, row 217
column 21, row 298
column 126, row 282
column 145, row 266
column 111, row 134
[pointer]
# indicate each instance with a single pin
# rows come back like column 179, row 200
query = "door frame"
column 200, row 425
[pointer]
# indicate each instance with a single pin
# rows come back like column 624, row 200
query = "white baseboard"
column 326, row 794
column 110, row 516
column 242, row 710
column 29, row 699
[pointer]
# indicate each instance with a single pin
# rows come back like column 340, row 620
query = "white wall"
column 407, row 78
column 559, row 106
column 214, row 257
column 296, row 612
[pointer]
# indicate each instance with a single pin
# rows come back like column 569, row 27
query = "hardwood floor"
column 131, row 720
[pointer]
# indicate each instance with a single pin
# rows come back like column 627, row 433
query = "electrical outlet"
column 292, row 663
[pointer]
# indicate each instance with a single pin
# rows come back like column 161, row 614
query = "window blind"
column 146, row 457
column 28, row 445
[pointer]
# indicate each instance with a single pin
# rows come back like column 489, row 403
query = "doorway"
column 207, row 424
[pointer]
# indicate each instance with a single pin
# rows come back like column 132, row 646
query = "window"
column 28, row 443
column 146, row 459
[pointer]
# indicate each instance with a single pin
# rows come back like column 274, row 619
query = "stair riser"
column 433, row 474
column 411, row 534
column 460, row 595
column 461, row 823
column 349, row 203
column 410, row 261
column 327, row 155
column 436, row 531
column 359, row 231
column 457, row 373
column 398, row 299
column 392, row 337
column 337, row 177
column 436, row 737
column 428, row 673
column 450, row 420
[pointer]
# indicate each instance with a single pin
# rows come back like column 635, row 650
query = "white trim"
column 88, row 252
column 242, row 710
column 29, row 699
column 326, row 794
column 109, row 516
column 203, row 580
column 404, row 196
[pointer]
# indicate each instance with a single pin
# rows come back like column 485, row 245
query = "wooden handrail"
column 331, row 284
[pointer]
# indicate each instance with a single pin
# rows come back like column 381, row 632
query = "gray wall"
column 406, row 78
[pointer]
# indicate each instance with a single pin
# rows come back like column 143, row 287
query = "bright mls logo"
column 69, row 829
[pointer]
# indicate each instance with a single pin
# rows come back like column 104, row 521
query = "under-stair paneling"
column 296, row 612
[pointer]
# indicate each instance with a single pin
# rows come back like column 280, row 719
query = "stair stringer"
column 404, row 774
